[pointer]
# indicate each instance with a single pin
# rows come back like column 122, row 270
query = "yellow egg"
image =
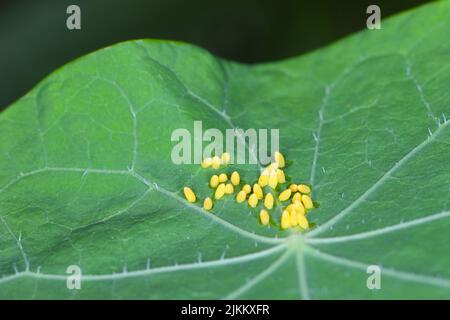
column 214, row 182
column 285, row 220
column 264, row 217
column 235, row 178
column 207, row 204
column 247, row 189
column 241, row 196
column 189, row 194
column 216, row 162
column 220, row 191
column 296, row 197
column 298, row 207
column 253, row 200
column 280, row 176
column 223, row 177
column 302, row 221
column 293, row 216
column 285, row 195
column 279, row 159
column 226, row 158
column 263, row 180
column 273, row 179
column 229, row 189
column 307, row 202
column 258, row 191
column 303, row 188
column 206, row 163
column 268, row 201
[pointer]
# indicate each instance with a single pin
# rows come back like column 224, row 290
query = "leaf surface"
column 86, row 176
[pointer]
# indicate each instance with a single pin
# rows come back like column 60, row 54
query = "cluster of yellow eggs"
column 298, row 195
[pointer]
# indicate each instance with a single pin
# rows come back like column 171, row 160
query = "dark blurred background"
column 34, row 39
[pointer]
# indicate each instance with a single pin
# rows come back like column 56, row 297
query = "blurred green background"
column 34, row 39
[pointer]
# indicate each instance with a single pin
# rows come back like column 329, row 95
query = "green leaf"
column 86, row 176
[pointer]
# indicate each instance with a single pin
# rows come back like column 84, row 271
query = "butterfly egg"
column 226, row 158
column 189, row 194
column 307, row 202
column 285, row 220
column 247, row 189
column 253, row 200
column 296, row 197
column 264, row 177
column 214, row 181
column 289, row 208
column 258, row 191
column 264, row 217
column 285, row 195
column 235, row 178
column 229, row 189
column 220, row 191
column 303, row 188
column 206, row 163
column 279, row 159
column 268, row 201
column 280, row 176
column 298, row 207
column 222, row 177
column 263, row 180
column 241, row 196
column 273, row 179
column 216, row 161
column 302, row 221
column 207, row 204
column 294, row 219
column 293, row 188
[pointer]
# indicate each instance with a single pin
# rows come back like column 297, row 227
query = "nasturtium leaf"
column 86, row 176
